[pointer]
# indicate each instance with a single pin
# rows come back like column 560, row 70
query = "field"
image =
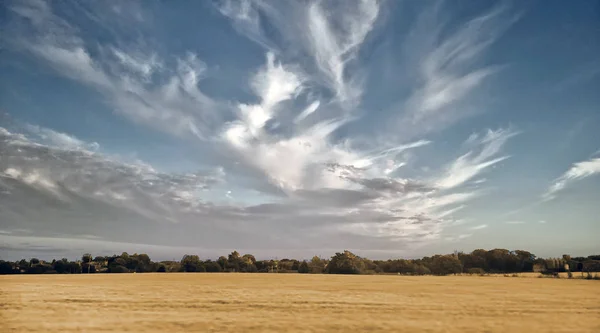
column 295, row 303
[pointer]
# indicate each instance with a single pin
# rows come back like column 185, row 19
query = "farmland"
column 181, row 302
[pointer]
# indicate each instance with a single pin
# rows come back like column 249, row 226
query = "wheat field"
column 295, row 303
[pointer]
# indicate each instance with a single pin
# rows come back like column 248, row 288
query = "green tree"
column 446, row 264
column 86, row 258
column 222, row 261
column 345, row 263
column 212, row 266
column 234, row 262
column 191, row 263
column 303, row 267
column 317, row 265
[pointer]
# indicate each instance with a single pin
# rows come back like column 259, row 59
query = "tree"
column 317, row 265
column 249, row 259
column 5, row 267
column 247, row 263
column 444, row 265
column 234, row 262
column 526, row 260
column 345, row 263
column 222, row 261
column 212, row 266
column 191, row 263
column 303, row 267
column 86, row 258
column 61, row 266
column 99, row 259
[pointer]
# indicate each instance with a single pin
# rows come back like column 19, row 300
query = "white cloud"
column 515, row 222
column 138, row 64
column 443, row 69
column 175, row 105
column 332, row 51
column 331, row 41
column 334, row 188
column 472, row 164
column 309, row 110
column 479, row 227
column 577, row 172
column 445, row 66
column 60, row 139
column 542, row 222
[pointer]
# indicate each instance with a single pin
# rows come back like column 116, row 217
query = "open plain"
column 295, row 303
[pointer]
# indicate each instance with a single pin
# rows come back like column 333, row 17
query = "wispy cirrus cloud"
column 578, row 171
column 331, row 41
column 122, row 75
column 479, row 227
column 447, row 65
column 473, row 163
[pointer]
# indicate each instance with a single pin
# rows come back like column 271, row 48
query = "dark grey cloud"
column 393, row 185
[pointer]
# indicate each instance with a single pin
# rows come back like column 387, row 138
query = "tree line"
column 477, row 262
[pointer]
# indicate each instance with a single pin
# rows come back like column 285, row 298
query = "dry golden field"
column 295, row 303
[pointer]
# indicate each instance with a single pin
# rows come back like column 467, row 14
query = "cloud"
column 291, row 163
column 68, row 172
column 472, row 163
column 71, row 184
column 542, row 222
column 122, row 74
column 515, row 222
column 578, row 171
column 332, row 51
column 330, row 41
column 479, row 227
column 444, row 66
column 60, row 139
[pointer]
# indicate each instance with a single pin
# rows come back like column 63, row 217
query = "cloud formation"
column 578, row 171
column 287, row 166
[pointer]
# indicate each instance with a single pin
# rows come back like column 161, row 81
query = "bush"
column 117, row 269
column 476, row 270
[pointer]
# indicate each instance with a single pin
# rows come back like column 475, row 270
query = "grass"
column 295, row 303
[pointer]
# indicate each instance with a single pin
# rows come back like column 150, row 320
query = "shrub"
column 476, row 270
column 118, row 269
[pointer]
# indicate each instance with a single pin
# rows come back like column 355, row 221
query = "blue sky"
column 389, row 128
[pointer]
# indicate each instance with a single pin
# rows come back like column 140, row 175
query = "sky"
column 299, row 128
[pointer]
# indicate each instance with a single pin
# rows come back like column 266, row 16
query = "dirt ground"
column 295, row 303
